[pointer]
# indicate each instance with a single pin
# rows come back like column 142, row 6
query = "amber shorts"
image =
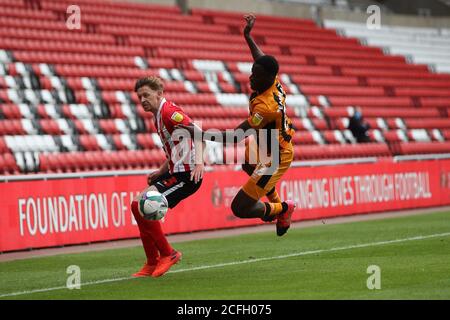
column 265, row 176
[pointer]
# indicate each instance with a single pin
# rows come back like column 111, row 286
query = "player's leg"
column 152, row 228
column 150, row 248
column 175, row 189
column 288, row 207
column 246, row 203
column 152, row 235
column 246, row 207
column 249, row 166
column 260, row 184
column 272, row 195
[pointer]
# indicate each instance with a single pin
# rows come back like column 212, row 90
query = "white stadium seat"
column 420, row 135
column 423, row 45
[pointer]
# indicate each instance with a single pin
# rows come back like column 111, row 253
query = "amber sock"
column 273, row 209
column 273, row 196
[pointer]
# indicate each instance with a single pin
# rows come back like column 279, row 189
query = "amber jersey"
column 268, row 111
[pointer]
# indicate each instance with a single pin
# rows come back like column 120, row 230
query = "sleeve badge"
column 177, row 117
column 257, row 119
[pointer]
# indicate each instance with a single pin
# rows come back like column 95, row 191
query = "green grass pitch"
column 321, row 262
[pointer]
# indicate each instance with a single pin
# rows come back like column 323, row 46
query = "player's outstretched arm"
column 227, row 135
column 255, row 50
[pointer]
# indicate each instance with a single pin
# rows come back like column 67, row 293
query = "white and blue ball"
column 153, row 205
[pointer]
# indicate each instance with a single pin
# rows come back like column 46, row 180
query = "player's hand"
column 153, row 177
column 250, row 19
column 197, row 173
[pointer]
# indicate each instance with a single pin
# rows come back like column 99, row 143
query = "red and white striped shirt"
column 181, row 154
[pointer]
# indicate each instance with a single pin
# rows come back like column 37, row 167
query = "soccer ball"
column 153, row 205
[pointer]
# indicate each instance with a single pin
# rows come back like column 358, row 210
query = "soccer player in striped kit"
column 178, row 178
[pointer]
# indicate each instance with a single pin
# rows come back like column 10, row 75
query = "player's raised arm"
column 255, row 50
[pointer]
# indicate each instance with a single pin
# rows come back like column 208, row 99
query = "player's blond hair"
column 153, row 82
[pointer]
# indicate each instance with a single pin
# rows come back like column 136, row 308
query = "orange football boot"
column 284, row 218
column 146, row 271
column 165, row 263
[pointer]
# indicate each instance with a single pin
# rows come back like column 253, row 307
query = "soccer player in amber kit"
column 179, row 177
column 267, row 111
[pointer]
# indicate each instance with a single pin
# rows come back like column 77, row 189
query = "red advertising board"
column 445, row 182
column 45, row 213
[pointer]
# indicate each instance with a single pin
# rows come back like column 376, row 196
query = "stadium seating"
column 421, row 45
column 67, row 102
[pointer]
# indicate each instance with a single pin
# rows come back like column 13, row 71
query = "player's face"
column 149, row 98
column 260, row 80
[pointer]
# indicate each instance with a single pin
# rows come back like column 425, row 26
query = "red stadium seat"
column 395, row 136
column 89, row 143
column 145, row 141
column 446, row 134
column 303, row 137
column 10, row 164
column 3, row 147
column 11, row 111
column 333, row 136
column 50, row 127
column 424, row 147
column 335, row 151
column 428, row 123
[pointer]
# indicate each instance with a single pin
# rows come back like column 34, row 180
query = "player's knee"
column 236, row 207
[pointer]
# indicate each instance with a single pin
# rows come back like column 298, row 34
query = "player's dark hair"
column 269, row 63
column 153, row 82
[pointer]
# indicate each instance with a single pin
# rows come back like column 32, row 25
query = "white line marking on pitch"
column 304, row 253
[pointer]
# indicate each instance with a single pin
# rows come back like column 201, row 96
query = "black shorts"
column 176, row 187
